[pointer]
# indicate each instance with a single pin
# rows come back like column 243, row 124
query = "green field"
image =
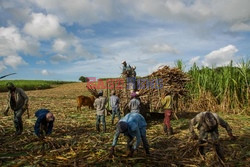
column 31, row 84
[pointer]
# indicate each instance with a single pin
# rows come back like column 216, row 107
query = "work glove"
column 112, row 152
column 131, row 152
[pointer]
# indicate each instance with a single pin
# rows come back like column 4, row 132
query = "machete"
column 7, row 75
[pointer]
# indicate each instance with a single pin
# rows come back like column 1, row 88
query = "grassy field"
column 75, row 142
column 30, row 84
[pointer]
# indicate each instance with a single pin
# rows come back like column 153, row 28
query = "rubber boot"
column 20, row 131
column 17, row 127
column 165, row 128
column 170, row 131
column 147, row 151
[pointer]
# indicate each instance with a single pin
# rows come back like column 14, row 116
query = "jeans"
column 115, row 111
column 100, row 118
column 143, row 138
column 18, row 120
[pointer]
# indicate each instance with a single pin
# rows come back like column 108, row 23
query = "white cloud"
column 60, row 45
column 44, row 26
column 159, row 66
column 194, row 60
column 58, row 58
column 84, row 12
column 88, row 31
column 14, row 61
column 231, row 11
column 41, row 62
column 44, row 72
column 69, row 48
column 161, row 48
column 240, row 27
column 11, row 41
column 220, row 57
column 2, row 66
column 90, row 12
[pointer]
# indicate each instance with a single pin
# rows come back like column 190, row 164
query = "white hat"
column 123, row 61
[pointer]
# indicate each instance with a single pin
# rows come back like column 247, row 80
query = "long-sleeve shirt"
column 166, row 102
column 41, row 119
column 199, row 118
column 136, row 128
column 114, row 101
column 17, row 100
column 134, row 105
column 99, row 104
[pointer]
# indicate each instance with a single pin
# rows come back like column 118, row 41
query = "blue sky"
column 63, row 40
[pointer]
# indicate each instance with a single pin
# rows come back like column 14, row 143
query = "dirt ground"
column 74, row 141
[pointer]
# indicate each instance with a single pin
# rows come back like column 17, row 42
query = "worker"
column 44, row 123
column 134, row 104
column 99, row 105
column 114, row 103
column 18, row 101
column 132, row 125
column 166, row 104
column 208, row 124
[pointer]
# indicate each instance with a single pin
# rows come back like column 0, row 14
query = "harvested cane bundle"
column 151, row 87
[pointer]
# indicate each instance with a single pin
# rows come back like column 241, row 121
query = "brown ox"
column 85, row 101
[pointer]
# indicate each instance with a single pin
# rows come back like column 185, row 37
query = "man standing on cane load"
column 99, row 105
column 208, row 124
column 18, row 102
column 114, row 103
column 166, row 104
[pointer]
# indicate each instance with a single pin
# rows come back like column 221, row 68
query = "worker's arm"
column 50, row 127
column 116, row 136
column 115, row 139
column 225, row 125
column 192, row 123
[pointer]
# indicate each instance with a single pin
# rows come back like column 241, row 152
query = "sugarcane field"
column 76, row 140
column 123, row 83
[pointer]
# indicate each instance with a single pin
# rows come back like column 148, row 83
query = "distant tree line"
column 83, row 79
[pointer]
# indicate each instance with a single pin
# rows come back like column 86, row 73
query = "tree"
column 83, row 79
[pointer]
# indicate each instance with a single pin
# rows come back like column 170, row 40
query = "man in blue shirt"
column 132, row 125
column 44, row 122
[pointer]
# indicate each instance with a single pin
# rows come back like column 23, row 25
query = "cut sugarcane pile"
column 153, row 86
